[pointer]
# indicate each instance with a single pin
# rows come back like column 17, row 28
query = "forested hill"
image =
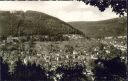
column 32, row 23
column 105, row 28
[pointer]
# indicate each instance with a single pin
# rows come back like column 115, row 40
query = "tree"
column 5, row 75
column 118, row 6
column 31, row 72
column 110, row 70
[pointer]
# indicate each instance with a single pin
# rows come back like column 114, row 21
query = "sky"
column 65, row 10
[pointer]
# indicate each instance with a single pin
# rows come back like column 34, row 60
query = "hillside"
column 105, row 28
column 32, row 23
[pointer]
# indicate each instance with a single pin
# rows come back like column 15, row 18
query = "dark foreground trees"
column 104, row 70
column 110, row 70
column 4, row 70
column 118, row 6
column 31, row 72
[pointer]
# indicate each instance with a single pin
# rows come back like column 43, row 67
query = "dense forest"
column 19, row 23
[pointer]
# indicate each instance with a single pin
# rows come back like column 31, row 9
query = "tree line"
column 103, row 70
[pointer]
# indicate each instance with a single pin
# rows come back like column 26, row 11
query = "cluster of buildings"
column 73, row 36
column 118, row 42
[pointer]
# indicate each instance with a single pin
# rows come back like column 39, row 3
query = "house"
column 73, row 36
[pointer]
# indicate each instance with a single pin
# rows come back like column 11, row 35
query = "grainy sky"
column 64, row 10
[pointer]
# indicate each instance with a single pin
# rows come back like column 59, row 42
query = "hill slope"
column 111, row 27
column 32, row 23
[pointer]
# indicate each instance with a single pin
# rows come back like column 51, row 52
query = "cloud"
column 64, row 10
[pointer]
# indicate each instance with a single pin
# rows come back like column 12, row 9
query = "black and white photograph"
column 79, row 40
